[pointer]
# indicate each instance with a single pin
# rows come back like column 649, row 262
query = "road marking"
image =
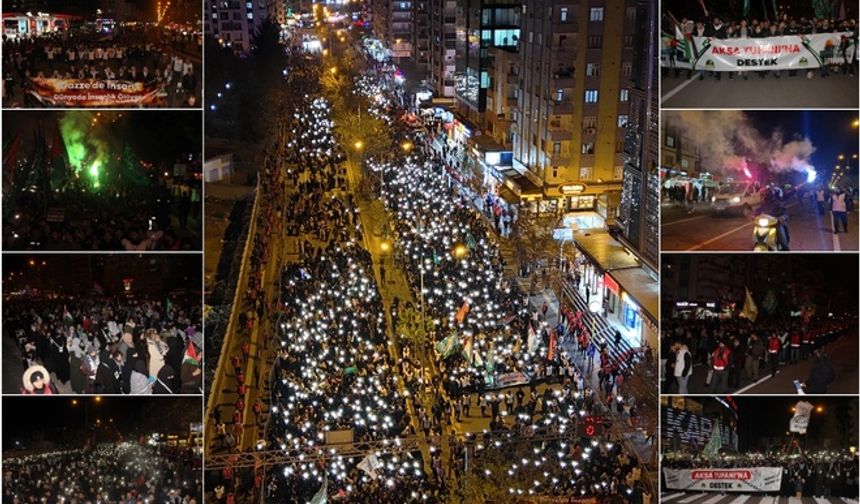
column 720, row 237
column 741, row 499
column 688, row 219
column 678, row 89
column 751, row 385
column 714, row 499
column 794, row 500
column 666, row 498
column 837, row 246
column 692, row 498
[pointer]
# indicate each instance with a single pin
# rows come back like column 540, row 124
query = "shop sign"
column 570, row 189
column 610, row 283
column 686, row 304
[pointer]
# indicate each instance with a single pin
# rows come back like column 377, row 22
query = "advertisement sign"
column 747, row 479
column 790, row 52
column 93, row 92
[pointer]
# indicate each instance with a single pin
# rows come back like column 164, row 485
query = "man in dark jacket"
column 821, row 375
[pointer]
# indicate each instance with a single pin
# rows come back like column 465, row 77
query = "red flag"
column 550, row 355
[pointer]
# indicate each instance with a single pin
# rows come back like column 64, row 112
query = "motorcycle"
column 766, row 233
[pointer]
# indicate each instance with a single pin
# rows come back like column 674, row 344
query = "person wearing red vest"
column 720, row 362
column 773, row 348
column 794, row 356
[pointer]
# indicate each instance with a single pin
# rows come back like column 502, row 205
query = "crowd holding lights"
column 334, row 369
column 108, row 473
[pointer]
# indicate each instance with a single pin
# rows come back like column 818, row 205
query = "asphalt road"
column 706, row 230
column 735, row 498
column 842, row 354
column 836, row 91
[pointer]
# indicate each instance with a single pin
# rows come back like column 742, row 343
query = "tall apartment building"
column 640, row 194
column 421, row 37
column 502, row 95
column 443, row 22
column 576, row 63
column 393, row 22
column 679, row 151
column 234, row 22
column 481, row 25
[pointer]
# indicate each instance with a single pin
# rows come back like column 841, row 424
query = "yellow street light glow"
column 359, row 145
column 333, row 70
column 460, row 251
column 385, row 246
column 407, row 146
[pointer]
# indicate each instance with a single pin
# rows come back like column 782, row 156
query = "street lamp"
column 407, row 146
column 358, row 145
column 459, row 251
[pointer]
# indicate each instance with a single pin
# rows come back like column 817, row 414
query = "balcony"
column 559, row 159
column 560, row 108
column 565, row 27
column 562, row 80
column 552, row 134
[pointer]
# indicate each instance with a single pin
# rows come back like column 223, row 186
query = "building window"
column 624, row 95
column 531, row 37
column 685, row 164
column 626, row 69
column 596, row 14
column 555, row 172
column 559, row 95
column 617, row 172
column 563, row 14
column 619, row 146
column 588, row 147
column 589, row 122
column 556, row 148
column 591, row 96
column 670, row 141
column 585, row 173
column 592, row 70
column 595, row 41
column 628, row 41
column 622, row 121
column 250, row 15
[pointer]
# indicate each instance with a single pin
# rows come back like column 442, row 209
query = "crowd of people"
column 822, row 473
column 164, row 215
column 842, row 59
column 737, row 349
column 120, row 473
column 159, row 57
column 101, row 345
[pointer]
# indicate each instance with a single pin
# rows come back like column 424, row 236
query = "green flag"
column 448, row 346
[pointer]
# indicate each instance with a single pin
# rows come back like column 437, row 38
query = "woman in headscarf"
column 76, row 364
column 37, row 381
column 166, row 381
column 139, row 381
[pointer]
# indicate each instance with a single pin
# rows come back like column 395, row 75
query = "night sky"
column 155, row 136
column 733, row 9
column 87, row 8
column 831, row 132
column 55, row 419
column 66, row 272
column 769, row 416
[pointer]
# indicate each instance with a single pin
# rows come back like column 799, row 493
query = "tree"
column 266, row 43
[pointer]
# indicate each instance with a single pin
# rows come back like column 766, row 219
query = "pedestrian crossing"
column 603, row 329
column 712, row 498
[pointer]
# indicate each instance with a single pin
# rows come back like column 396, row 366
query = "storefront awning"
column 522, row 185
column 640, row 286
column 606, row 252
column 508, row 195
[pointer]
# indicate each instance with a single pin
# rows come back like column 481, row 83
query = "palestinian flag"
column 67, row 317
column 190, row 356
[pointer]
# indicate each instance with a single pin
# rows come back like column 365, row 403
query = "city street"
column 836, row 91
column 842, row 354
column 704, row 229
column 734, row 498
